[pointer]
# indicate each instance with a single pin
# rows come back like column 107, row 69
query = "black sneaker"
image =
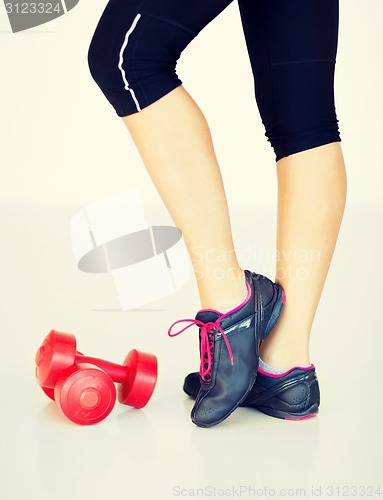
column 293, row 395
column 229, row 349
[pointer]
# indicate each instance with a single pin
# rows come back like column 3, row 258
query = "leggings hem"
column 165, row 89
column 315, row 142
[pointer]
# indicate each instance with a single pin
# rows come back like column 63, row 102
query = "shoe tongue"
column 207, row 316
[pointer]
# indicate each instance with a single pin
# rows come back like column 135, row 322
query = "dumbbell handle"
column 117, row 373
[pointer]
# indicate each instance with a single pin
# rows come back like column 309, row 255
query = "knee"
column 110, row 62
column 301, row 114
column 136, row 66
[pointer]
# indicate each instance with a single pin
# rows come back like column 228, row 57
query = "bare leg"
column 311, row 199
column 175, row 144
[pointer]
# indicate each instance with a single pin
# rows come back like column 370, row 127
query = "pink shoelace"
column 205, row 330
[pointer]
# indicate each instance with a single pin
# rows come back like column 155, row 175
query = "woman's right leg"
column 170, row 131
column 132, row 57
column 179, row 156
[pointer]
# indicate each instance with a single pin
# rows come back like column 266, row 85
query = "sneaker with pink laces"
column 229, row 348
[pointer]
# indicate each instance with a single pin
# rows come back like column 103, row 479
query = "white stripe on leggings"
column 121, row 60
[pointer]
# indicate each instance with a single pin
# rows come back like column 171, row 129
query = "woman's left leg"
column 292, row 47
column 311, row 200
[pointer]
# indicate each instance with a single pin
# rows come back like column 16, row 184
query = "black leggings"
column 292, row 46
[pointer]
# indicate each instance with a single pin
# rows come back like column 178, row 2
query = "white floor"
column 157, row 452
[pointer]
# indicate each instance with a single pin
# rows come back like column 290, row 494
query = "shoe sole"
column 309, row 413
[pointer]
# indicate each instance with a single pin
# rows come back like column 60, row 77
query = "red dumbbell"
column 83, row 386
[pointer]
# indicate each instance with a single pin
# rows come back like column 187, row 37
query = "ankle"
column 273, row 370
column 224, row 294
column 284, row 359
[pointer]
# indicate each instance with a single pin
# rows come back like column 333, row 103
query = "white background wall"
column 61, row 141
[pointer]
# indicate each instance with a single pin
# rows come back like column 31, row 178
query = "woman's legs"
column 311, row 199
column 292, row 47
column 179, row 156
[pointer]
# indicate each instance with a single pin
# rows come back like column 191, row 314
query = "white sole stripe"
column 121, row 60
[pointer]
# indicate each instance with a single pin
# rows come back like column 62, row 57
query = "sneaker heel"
column 277, row 309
